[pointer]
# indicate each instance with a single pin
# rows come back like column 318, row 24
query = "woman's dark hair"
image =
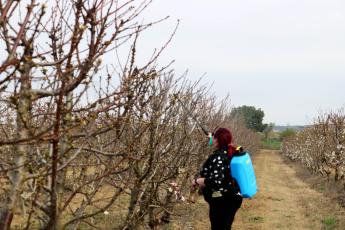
column 224, row 138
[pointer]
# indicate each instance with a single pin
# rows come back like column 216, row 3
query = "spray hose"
column 206, row 132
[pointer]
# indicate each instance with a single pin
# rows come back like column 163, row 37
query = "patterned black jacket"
column 217, row 174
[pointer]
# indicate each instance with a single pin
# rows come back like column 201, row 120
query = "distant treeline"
column 280, row 128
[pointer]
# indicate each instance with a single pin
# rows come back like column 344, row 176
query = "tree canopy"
column 252, row 116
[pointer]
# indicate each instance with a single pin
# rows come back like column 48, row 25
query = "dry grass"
column 330, row 188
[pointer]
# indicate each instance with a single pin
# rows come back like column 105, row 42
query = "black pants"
column 223, row 210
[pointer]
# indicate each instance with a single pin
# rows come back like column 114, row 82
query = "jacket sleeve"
column 216, row 175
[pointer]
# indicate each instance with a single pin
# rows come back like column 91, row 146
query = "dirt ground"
column 283, row 202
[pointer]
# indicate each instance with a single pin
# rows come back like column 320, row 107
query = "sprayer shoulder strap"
column 234, row 185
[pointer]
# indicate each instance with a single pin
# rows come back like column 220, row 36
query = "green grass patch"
column 280, row 226
column 321, row 188
column 330, row 222
column 256, row 219
column 272, row 144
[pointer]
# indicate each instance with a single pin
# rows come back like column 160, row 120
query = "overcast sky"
column 286, row 57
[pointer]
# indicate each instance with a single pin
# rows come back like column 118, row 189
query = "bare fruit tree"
column 321, row 146
column 52, row 83
column 90, row 139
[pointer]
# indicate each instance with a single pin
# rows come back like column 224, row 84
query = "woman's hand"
column 200, row 182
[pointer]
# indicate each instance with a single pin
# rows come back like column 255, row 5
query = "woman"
column 216, row 183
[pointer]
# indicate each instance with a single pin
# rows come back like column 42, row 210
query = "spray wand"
column 205, row 131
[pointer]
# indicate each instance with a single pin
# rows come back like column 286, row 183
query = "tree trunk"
column 17, row 176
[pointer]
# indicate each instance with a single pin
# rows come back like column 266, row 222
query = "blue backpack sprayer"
column 241, row 164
